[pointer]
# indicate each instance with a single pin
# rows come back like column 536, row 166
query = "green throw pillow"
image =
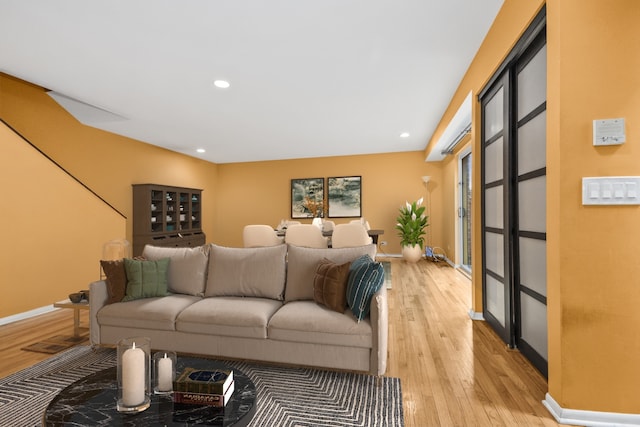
column 365, row 279
column 146, row 279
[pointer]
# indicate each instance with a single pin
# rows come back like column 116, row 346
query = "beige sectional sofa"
column 248, row 303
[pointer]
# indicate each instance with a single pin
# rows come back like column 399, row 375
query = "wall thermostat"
column 608, row 132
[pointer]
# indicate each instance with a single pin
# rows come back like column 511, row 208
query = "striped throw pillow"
column 365, row 279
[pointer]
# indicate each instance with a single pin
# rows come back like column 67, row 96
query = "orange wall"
column 592, row 268
column 260, row 192
column 45, row 255
column 450, row 200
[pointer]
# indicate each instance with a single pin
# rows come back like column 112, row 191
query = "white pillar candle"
column 165, row 373
column 133, row 373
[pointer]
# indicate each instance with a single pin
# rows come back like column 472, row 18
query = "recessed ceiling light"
column 201, row 150
column 222, row 84
column 404, row 135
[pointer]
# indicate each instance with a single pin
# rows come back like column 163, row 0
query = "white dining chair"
column 306, row 235
column 361, row 221
column 259, row 235
column 328, row 225
column 350, row 235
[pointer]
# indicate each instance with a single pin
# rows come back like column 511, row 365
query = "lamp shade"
column 116, row 249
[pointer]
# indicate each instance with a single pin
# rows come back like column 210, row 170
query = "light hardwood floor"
column 454, row 371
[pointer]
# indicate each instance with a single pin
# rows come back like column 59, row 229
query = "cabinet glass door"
column 184, row 211
column 157, row 211
column 171, row 199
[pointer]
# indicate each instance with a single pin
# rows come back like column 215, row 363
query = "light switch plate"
column 611, row 190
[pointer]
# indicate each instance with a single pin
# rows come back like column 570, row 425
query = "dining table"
column 373, row 233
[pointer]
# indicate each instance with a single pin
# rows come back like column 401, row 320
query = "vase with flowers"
column 316, row 208
column 411, row 225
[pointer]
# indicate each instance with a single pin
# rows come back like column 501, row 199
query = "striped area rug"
column 286, row 396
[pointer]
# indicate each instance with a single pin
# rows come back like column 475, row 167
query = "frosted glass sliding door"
column 531, row 194
column 514, row 231
column 495, row 187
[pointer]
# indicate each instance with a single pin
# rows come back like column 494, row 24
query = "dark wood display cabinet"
column 166, row 216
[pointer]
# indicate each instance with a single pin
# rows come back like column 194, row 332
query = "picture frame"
column 344, row 196
column 307, row 194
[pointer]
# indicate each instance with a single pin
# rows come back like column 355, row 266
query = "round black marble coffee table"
column 91, row 401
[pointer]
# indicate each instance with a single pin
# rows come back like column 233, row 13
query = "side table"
column 76, row 306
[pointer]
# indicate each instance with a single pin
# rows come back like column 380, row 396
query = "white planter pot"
column 411, row 253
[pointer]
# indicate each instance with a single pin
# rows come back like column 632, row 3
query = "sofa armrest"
column 380, row 330
column 98, row 297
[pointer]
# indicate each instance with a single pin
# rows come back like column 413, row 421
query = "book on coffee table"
column 216, row 400
column 204, row 387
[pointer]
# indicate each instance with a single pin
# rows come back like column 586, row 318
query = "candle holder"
column 164, row 371
column 134, row 374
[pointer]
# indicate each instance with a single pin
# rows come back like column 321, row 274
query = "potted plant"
column 411, row 229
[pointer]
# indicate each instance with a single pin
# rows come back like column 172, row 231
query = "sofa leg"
column 378, row 381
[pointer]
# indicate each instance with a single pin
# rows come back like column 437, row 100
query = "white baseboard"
column 589, row 418
column 464, row 272
column 423, row 257
column 383, row 255
column 26, row 314
column 474, row 315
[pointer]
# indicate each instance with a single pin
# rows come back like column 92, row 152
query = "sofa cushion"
column 247, row 272
column 365, row 279
column 116, row 279
column 148, row 313
column 330, row 285
column 302, row 264
column 145, row 279
column 229, row 316
column 187, row 270
column 308, row 322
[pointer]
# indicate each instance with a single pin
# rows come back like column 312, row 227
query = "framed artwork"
column 307, row 198
column 345, row 194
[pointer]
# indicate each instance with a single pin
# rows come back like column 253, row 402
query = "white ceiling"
column 308, row 78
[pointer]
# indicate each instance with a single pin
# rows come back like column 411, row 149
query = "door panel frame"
column 525, row 348
column 505, row 331
column 467, row 152
column 506, row 77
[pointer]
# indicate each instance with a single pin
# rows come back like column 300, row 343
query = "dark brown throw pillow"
column 116, row 279
column 330, row 285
